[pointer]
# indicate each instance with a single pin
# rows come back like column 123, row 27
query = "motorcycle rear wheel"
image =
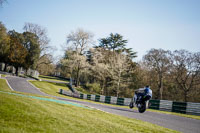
column 142, row 107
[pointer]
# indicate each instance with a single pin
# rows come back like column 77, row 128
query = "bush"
column 93, row 88
column 82, row 90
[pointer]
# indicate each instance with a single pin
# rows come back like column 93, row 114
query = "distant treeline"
column 108, row 68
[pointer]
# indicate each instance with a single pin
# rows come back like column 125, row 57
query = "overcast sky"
column 146, row 24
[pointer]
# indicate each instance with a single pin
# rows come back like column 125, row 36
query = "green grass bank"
column 24, row 114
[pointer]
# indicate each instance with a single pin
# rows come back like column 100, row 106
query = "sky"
column 146, row 24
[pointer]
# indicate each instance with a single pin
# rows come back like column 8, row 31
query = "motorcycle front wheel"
column 131, row 105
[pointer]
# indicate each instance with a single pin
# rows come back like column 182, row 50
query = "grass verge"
column 50, row 78
column 50, row 87
column 3, row 75
column 23, row 114
column 4, row 86
column 53, row 89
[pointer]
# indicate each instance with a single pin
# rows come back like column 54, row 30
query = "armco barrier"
column 154, row 104
column 193, row 108
column 179, row 107
column 120, row 101
column 102, row 98
column 93, row 97
column 107, row 99
column 88, row 97
column 84, row 96
column 97, row 98
column 127, row 101
column 113, row 100
column 164, row 105
column 81, row 96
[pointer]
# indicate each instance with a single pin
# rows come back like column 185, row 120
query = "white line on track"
column 9, row 85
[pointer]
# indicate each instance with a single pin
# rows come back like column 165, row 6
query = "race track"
column 182, row 124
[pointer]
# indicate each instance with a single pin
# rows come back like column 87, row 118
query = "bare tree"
column 41, row 33
column 159, row 61
column 118, row 58
column 186, row 70
column 44, row 63
column 80, row 40
column 2, row 1
column 100, row 67
column 75, row 64
column 107, row 64
column 119, row 65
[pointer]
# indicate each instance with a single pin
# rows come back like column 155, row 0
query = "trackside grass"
column 50, row 78
column 53, row 89
column 24, row 114
column 3, row 85
column 3, row 75
column 50, row 87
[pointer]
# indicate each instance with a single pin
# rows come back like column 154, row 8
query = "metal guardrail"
column 178, row 107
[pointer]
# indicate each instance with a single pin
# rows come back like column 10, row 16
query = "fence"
column 164, row 105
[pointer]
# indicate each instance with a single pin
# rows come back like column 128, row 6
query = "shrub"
column 93, row 88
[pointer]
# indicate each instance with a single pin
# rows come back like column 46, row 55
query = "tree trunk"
column 118, row 83
column 118, row 88
column 106, row 91
column 16, row 71
column 161, row 86
column 26, row 71
column 103, row 87
column 185, row 95
column 77, row 77
column 5, row 68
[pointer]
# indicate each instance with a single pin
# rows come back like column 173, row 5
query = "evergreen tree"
column 31, row 43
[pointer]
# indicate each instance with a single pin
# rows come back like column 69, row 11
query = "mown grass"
column 23, row 114
column 4, row 86
column 54, row 88
column 50, row 78
column 3, row 75
column 49, row 88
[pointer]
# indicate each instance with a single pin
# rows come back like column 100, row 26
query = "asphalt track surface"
column 182, row 124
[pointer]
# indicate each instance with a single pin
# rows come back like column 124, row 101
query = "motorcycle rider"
column 145, row 92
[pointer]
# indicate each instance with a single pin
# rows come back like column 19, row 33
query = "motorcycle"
column 141, row 103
